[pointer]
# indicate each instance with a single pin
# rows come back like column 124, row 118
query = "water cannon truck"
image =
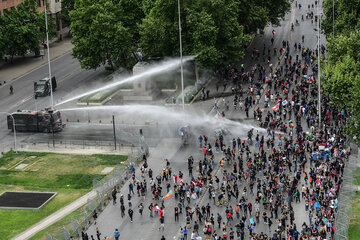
column 47, row 120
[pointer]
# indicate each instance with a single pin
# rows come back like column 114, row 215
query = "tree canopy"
column 22, row 29
column 347, row 16
column 341, row 76
column 254, row 15
column 210, row 30
column 216, row 31
column 99, row 35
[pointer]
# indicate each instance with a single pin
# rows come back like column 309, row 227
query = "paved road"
column 71, row 80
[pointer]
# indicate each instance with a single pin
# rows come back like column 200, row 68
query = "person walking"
column 122, row 208
column 194, row 197
column 141, row 208
column 116, row 234
column 162, row 223
column 131, row 188
column 151, row 209
column 131, row 212
column 176, row 212
column 113, row 194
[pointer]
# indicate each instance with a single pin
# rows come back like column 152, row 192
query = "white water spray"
column 163, row 67
column 169, row 115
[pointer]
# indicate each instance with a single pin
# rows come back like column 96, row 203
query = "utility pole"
column 14, row 128
column 181, row 60
column 113, row 120
column 48, row 53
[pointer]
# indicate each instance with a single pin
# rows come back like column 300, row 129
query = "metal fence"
column 346, row 195
column 103, row 187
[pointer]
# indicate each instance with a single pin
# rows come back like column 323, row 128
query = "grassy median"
column 71, row 176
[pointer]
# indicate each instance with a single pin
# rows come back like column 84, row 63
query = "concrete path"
column 56, row 216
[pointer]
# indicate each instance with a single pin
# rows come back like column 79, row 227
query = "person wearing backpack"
column 219, row 218
column 209, row 231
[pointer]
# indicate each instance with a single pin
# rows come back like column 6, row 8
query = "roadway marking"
column 29, row 97
column 24, row 100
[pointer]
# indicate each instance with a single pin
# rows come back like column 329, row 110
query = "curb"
column 54, row 58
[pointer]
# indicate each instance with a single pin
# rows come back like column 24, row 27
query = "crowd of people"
column 291, row 163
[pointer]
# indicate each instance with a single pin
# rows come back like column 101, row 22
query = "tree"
column 342, row 84
column 347, row 16
column 254, row 15
column 99, row 35
column 342, row 80
column 210, row 30
column 131, row 14
column 344, row 45
column 22, row 28
column 66, row 7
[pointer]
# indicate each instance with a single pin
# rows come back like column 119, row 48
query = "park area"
column 70, row 176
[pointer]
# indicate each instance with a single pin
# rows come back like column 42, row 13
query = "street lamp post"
column 333, row 17
column 319, row 80
column 48, row 53
column 181, row 60
column 14, row 129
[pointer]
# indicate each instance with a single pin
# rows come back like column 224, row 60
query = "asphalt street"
column 71, row 79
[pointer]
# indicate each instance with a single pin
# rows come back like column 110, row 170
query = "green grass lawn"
column 69, row 175
column 98, row 97
column 354, row 228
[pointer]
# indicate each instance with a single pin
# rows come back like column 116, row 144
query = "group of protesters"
column 285, row 171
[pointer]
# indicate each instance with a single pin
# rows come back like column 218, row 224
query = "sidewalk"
column 24, row 65
column 55, row 216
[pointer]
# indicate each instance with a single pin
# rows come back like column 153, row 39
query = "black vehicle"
column 36, row 121
column 42, row 87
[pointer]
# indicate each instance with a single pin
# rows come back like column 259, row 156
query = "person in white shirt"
column 193, row 235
